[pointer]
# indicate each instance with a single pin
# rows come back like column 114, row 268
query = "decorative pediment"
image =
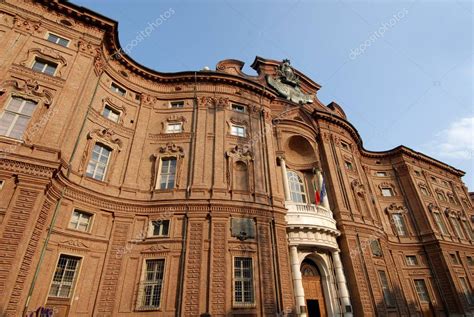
column 172, row 150
column 236, row 120
column 114, row 105
column 107, row 136
column 75, row 243
column 28, row 88
column 240, row 153
column 156, row 248
column 396, row 209
column 387, row 185
column 432, row 207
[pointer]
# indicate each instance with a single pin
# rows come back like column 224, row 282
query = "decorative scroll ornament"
column 172, row 149
column 241, row 153
column 395, row 208
column 29, row 87
column 287, row 84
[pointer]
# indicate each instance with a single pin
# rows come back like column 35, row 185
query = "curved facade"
column 129, row 192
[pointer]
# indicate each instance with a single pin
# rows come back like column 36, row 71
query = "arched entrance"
column 313, row 289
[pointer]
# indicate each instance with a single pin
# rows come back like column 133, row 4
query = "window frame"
column 48, row 34
column 381, row 174
column 176, row 104
column 46, row 63
column 140, row 306
column 111, row 110
column 151, row 229
column 160, row 173
column 390, row 190
column 442, row 228
column 302, row 186
column 81, row 212
column 457, row 227
column 104, row 175
column 425, row 289
column 118, row 89
column 234, row 107
column 467, row 290
column 17, row 114
column 172, row 131
column 411, row 263
column 243, row 303
column 401, row 227
column 75, row 278
column 234, row 130
column 388, row 297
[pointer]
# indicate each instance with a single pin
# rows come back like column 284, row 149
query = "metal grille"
column 243, row 282
column 64, row 277
column 150, row 288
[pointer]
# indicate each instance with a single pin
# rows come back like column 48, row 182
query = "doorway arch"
column 313, row 289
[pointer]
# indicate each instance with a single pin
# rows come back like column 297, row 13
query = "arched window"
column 297, row 190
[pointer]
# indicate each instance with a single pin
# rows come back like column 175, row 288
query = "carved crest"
column 173, row 149
column 29, row 87
column 241, row 153
column 395, row 208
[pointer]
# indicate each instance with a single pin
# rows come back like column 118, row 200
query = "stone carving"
column 74, row 243
column 173, row 149
column 26, row 25
column 48, row 54
column 287, row 84
column 241, row 153
column 395, row 208
column 156, row 248
column 86, row 47
column 29, row 87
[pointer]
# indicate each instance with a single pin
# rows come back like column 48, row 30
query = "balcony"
column 309, row 216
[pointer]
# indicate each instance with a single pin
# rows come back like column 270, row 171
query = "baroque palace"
column 129, row 192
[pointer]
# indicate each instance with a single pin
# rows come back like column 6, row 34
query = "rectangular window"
column 387, row 293
column 457, row 227
column 160, row 228
column 177, row 104
column 174, row 127
column 117, row 89
column 381, row 174
column 111, row 114
column 466, row 290
column 345, row 146
column 454, row 258
column 57, row 40
column 167, row 173
column 468, row 229
column 64, row 276
column 237, row 130
column 440, row 223
column 399, row 223
column 43, row 66
column 238, row 108
column 14, row 119
column 80, row 221
column 411, row 260
column 422, row 291
column 243, row 282
column 387, row 192
column 152, row 284
column 470, row 260
column 97, row 166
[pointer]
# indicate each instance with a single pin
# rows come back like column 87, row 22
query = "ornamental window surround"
column 438, row 219
column 159, row 228
column 237, row 127
column 424, row 189
column 115, row 88
column 44, row 66
column 110, row 113
column 99, row 162
column 387, row 292
column 174, row 124
column 387, row 189
column 398, row 220
column 421, row 290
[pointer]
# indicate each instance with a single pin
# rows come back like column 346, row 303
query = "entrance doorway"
column 313, row 289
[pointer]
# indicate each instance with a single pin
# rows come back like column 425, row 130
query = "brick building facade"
column 129, row 192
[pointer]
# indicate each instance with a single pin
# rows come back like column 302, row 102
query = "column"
column 285, row 179
column 297, row 282
column 341, row 284
column 324, row 200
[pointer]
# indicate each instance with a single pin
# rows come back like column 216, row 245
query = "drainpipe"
column 182, row 265
column 58, row 204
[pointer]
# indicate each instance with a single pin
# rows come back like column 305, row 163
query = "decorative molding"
column 27, row 25
column 74, row 243
column 396, row 209
column 29, row 88
column 86, row 47
column 156, row 248
column 47, row 54
column 164, row 151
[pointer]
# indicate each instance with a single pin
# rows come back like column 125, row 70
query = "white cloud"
column 455, row 142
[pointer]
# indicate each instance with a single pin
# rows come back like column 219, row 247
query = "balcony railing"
column 309, row 215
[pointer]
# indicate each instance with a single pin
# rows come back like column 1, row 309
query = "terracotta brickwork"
column 187, row 156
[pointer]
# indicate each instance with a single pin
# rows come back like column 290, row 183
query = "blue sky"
column 401, row 70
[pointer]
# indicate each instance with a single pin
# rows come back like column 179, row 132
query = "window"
column 421, row 290
column 80, row 221
column 238, row 108
column 118, row 90
column 1, row 184
column 454, row 258
column 387, row 192
column 381, row 174
column 457, row 227
column 43, row 66
column 440, row 223
column 111, row 114
column 375, row 248
column 58, row 40
column 466, row 290
column 348, row 165
column 97, row 166
column 160, row 228
column 243, row 282
column 237, row 130
column 387, row 294
column 468, row 229
column 174, row 127
column 297, row 189
column 152, row 284
column 177, row 104
column 399, row 223
column 345, row 146
column 167, row 173
column 417, row 173
column 14, row 119
column 64, row 276
column 470, row 260
column 411, row 260
column 424, row 191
